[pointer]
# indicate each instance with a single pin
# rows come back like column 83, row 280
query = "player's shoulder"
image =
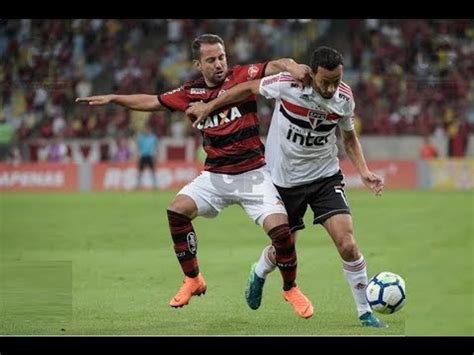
column 247, row 71
column 284, row 78
column 345, row 91
column 198, row 83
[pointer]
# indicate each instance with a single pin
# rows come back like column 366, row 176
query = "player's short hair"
column 205, row 38
column 327, row 58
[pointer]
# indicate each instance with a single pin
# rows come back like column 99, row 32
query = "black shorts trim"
column 326, row 216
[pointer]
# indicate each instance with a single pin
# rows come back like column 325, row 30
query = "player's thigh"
column 263, row 199
column 206, row 195
column 340, row 228
column 328, row 198
column 294, row 199
column 185, row 205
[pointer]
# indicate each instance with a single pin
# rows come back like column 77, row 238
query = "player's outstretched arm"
column 137, row 102
column 355, row 154
column 237, row 93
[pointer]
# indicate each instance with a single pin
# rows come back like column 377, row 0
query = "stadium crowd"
column 408, row 76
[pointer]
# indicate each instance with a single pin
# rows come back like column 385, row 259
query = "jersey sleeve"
column 175, row 100
column 270, row 86
column 346, row 122
column 249, row 72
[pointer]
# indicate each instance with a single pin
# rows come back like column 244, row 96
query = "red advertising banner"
column 38, row 177
column 398, row 174
column 123, row 176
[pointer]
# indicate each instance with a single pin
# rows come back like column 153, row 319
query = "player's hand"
column 95, row 100
column 302, row 74
column 198, row 111
column 373, row 182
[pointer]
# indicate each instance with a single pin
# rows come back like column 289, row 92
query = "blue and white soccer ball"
column 386, row 292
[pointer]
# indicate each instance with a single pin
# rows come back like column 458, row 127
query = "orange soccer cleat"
column 191, row 287
column 301, row 304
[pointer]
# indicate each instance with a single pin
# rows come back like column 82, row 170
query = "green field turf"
column 103, row 263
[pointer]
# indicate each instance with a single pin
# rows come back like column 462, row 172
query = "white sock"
column 264, row 264
column 356, row 275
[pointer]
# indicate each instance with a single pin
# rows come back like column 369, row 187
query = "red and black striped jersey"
column 230, row 134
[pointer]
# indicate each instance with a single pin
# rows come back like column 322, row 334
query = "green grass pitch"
column 103, row 264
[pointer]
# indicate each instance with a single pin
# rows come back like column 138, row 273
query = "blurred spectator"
column 357, row 124
column 15, row 156
column 57, row 151
column 122, row 152
column 6, row 135
column 147, row 145
column 428, row 150
column 458, row 134
column 83, row 87
column 178, row 127
column 59, row 124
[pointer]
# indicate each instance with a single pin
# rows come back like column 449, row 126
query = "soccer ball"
column 386, row 292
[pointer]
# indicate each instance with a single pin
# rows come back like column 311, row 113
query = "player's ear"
column 197, row 64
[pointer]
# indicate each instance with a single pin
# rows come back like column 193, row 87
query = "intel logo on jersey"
column 307, row 140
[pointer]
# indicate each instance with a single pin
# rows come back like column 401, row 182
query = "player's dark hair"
column 327, row 58
column 205, row 38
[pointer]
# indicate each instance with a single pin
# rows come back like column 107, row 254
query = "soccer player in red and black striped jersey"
column 234, row 169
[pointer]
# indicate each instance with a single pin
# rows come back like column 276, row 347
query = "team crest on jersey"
column 315, row 117
column 252, row 72
column 197, row 91
column 305, row 97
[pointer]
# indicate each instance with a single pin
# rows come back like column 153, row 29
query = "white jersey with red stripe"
column 301, row 142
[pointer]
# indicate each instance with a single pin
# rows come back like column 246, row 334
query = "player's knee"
column 281, row 237
column 184, row 206
column 348, row 249
column 274, row 220
column 175, row 207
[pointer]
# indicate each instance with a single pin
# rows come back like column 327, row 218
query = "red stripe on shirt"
column 296, row 109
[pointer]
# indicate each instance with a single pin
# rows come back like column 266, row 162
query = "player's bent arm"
column 279, row 65
column 354, row 152
column 235, row 94
column 300, row 72
column 137, row 102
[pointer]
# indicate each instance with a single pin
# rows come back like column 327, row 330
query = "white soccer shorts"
column 253, row 190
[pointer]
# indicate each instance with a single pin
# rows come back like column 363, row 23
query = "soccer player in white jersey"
column 301, row 154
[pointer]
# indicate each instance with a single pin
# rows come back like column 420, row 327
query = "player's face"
column 326, row 81
column 212, row 64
